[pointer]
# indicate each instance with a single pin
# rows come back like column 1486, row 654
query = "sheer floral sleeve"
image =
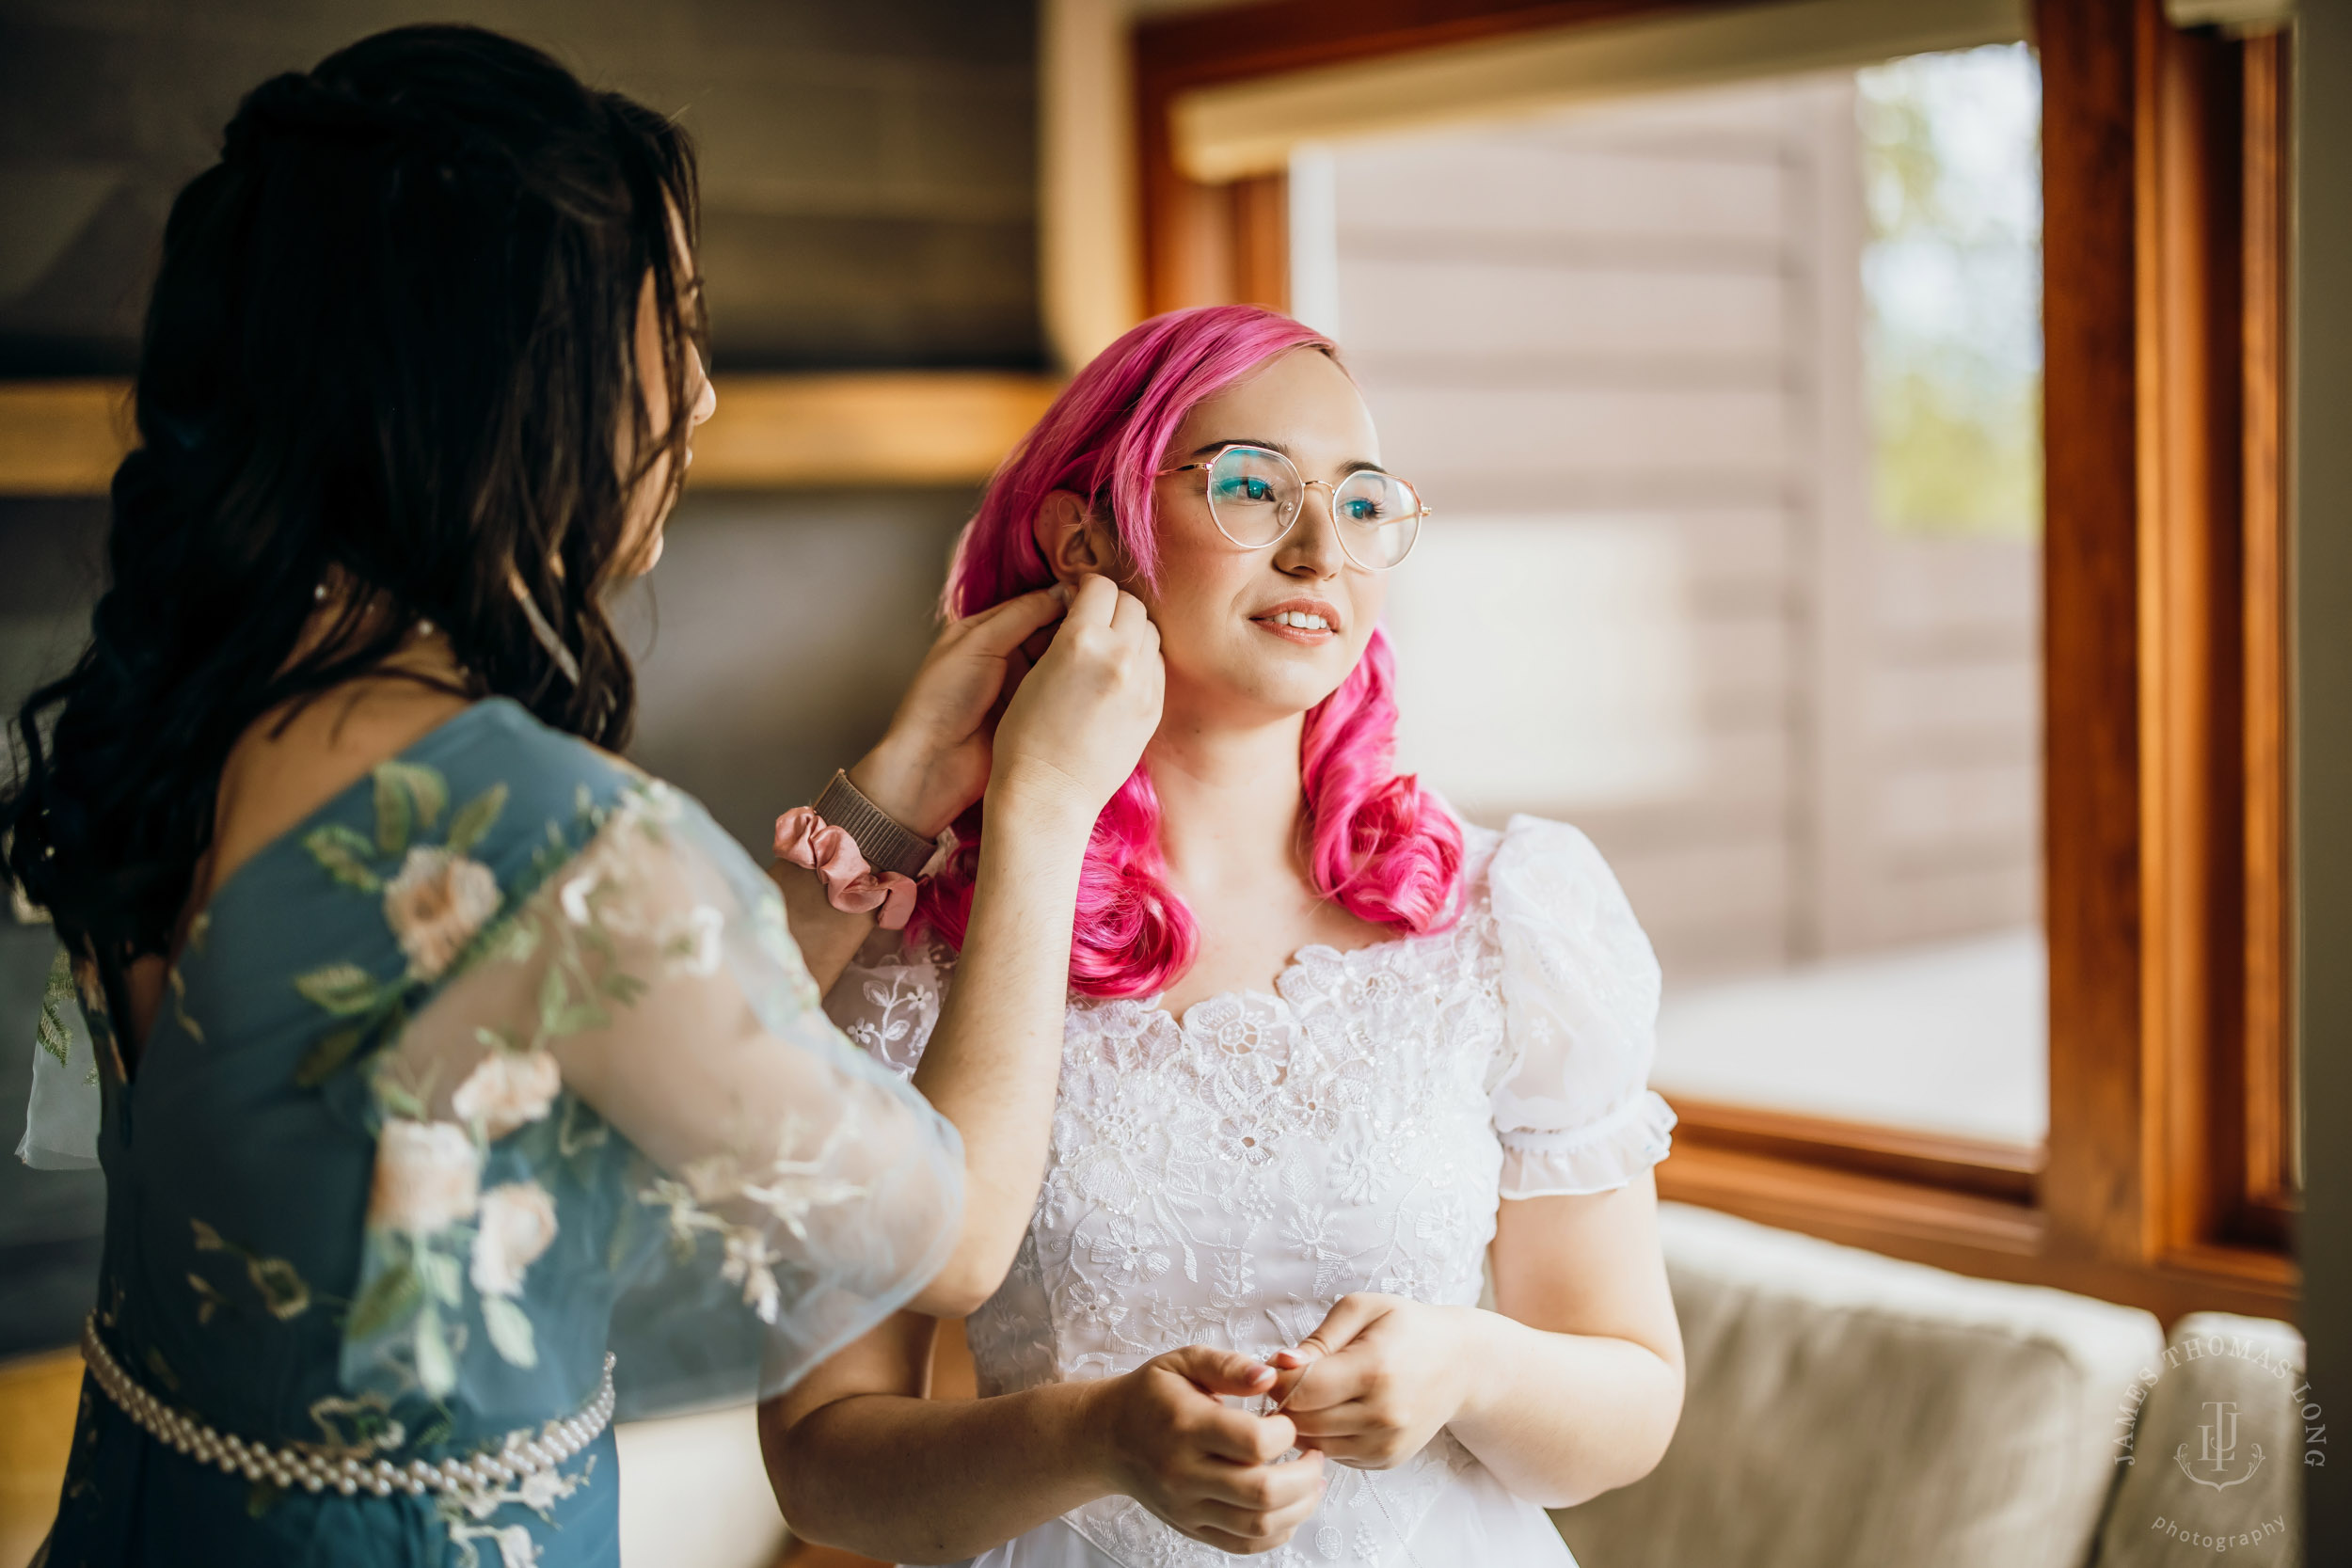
column 648, row 988
column 1580, row 991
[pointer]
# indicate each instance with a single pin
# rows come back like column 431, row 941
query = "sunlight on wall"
column 1952, row 282
column 1567, row 680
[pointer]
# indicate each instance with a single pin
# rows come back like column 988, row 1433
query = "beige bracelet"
column 886, row 844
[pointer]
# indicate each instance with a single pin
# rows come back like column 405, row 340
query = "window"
column 1729, row 402
column 2142, row 718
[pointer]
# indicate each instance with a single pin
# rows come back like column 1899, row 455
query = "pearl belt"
column 319, row 1470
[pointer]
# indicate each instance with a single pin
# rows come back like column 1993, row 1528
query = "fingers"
column 1365, row 1451
column 1283, row 1497
column 1223, row 1493
column 1220, row 1371
column 1336, row 1380
column 1350, row 1418
column 1350, row 1316
column 1129, row 613
column 1095, row 601
column 1242, row 1438
column 1002, row 627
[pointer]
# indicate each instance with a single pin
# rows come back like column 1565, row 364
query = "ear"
column 1072, row 540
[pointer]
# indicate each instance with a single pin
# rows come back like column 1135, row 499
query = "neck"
column 1230, row 800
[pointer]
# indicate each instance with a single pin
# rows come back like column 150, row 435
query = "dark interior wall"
column 870, row 166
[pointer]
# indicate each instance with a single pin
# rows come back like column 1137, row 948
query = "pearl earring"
column 319, row 593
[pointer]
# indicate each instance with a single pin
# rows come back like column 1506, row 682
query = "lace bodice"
column 1224, row 1178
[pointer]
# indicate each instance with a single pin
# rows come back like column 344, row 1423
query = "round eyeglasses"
column 1256, row 496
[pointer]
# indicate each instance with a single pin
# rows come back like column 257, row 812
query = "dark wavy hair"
column 392, row 343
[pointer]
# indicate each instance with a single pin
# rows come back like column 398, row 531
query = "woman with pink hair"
column 1327, row 1049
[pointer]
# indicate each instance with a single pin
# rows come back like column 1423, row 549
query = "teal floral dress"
column 501, row 1060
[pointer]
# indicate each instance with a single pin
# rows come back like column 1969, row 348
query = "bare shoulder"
column 294, row 759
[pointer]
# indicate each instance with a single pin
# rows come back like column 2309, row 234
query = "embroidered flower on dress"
column 748, row 1260
column 690, row 944
column 1130, row 1251
column 435, row 905
column 1247, row 1138
column 427, row 1177
column 575, row 893
column 1097, row 1305
column 543, row 1488
column 507, row 1089
column 517, row 1223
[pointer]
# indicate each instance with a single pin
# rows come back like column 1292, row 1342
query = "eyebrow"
column 1353, row 466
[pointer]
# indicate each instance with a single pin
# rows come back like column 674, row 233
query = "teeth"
column 1300, row 619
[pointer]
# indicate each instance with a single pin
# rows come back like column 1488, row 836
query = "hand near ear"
column 934, row 761
column 1078, row 724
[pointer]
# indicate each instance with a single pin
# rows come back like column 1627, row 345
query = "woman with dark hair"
column 426, row 1033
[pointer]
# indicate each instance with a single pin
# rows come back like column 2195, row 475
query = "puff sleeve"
column 1572, row 1102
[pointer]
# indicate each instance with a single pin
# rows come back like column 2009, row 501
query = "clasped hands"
column 1368, row 1389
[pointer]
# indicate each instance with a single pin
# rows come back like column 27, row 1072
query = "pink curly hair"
column 1379, row 845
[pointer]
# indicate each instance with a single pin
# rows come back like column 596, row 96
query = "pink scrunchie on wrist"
column 851, row 886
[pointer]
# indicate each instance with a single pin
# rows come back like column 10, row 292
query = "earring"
column 319, row 593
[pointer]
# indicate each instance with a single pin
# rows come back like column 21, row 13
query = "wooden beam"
column 62, row 437
column 783, row 431
column 771, row 432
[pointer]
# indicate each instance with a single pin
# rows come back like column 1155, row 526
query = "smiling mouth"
column 1297, row 626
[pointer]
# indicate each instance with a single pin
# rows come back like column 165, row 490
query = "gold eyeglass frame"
column 1421, row 515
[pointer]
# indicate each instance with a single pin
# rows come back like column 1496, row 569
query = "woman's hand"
column 1374, row 1383
column 1169, row 1441
column 1078, row 724
column 934, row 760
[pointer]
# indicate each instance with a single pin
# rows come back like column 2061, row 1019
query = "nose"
column 706, row 398
column 1312, row 547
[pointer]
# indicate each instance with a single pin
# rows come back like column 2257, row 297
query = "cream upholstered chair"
column 1847, row 1410
column 2219, row 1450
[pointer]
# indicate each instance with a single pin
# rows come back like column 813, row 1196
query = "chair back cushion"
column 1848, row 1410
column 2216, row 1461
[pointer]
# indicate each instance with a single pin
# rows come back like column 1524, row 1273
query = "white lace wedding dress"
column 1222, row 1181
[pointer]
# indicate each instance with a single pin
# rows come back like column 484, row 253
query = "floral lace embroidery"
column 1224, row 1178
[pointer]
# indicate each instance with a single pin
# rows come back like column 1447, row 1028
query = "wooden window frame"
column 2166, row 1179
